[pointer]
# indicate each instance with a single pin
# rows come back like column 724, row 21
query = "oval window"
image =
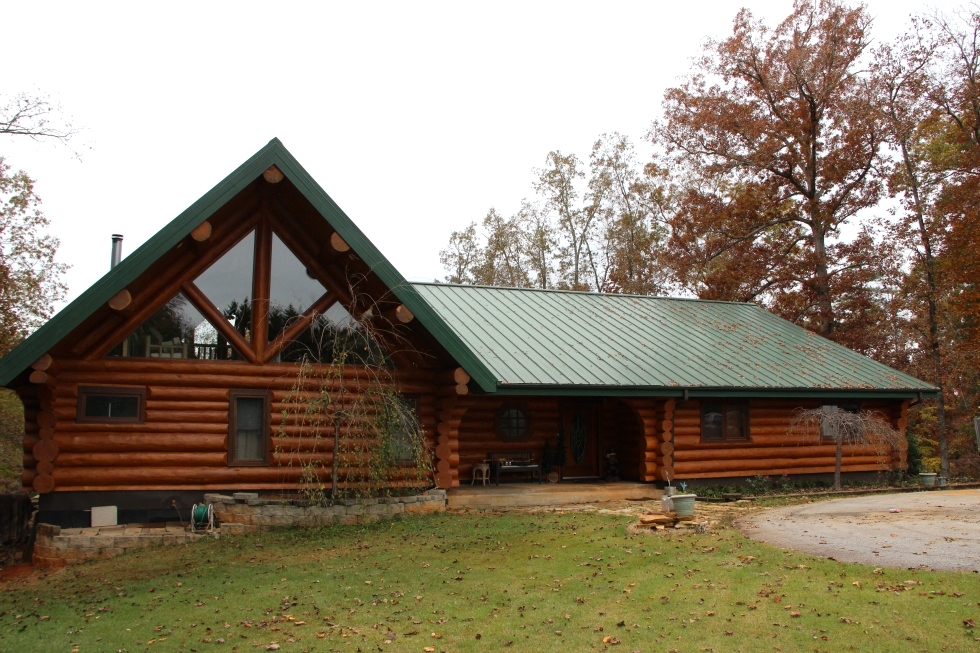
column 513, row 424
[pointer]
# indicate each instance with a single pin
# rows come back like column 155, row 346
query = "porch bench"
column 510, row 462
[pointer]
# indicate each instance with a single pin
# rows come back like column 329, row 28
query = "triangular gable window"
column 257, row 302
column 176, row 330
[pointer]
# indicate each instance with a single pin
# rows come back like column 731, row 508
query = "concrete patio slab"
column 522, row 495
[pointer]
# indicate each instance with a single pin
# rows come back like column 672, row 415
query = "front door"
column 580, row 424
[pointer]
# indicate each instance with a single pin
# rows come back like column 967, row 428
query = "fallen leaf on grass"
column 609, row 639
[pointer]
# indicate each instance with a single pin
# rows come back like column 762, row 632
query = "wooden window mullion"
column 261, row 283
column 294, row 330
column 217, row 320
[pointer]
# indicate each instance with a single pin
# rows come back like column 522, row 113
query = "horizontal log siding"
column 184, row 442
column 478, row 436
column 772, row 449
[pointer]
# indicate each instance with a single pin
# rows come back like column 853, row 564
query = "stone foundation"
column 55, row 546
column 246, row 512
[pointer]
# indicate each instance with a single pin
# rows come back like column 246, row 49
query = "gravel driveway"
column 935, row 530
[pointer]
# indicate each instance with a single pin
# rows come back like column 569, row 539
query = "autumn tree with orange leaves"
column 774, row 137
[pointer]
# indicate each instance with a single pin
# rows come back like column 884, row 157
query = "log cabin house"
column 165, row 379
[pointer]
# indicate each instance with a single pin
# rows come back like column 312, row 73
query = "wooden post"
column 336, row 458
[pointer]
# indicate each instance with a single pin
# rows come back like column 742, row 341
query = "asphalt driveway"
column 935, row 530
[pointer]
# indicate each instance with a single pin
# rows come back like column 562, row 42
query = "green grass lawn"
column 486, row 582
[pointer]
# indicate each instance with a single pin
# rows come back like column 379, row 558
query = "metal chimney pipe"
column 116, row 250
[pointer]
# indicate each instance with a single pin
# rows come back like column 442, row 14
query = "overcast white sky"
column 416, row 117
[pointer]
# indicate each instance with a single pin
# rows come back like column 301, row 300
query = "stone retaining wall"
column 55, row 546
column 242, row 512
column 247, row 511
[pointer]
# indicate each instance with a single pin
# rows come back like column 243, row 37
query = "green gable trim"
column 131, row 267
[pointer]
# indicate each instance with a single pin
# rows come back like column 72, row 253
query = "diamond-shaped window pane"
column 228, row 284
column 332, row 335
column 292, row 290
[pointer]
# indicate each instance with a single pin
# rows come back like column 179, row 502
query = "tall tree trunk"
column 838, row 461
column 932, row 315
column 821, row 279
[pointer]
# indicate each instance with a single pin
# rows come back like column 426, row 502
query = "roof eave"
column 698, row 392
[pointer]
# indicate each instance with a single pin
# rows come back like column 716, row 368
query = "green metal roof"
column 547, row 341
column 58, row 327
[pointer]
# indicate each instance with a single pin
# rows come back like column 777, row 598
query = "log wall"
column 620, row 430
column 772, row 447
column 183, row 444
column 477, row 435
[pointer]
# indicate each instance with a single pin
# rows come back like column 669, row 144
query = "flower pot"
column 683, row 504
column 927, row 479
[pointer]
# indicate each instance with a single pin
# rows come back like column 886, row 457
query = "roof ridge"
column 595, row 293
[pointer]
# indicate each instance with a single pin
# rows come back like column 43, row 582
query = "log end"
column 43, row 483
column 202, row 232
column 45, row 450
column 403, row 314
column 338, row 243
column 120, row 300
column 43, row 363
column 273, row 175
column 460, row 376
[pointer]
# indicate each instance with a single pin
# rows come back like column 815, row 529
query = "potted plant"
column 683, row 504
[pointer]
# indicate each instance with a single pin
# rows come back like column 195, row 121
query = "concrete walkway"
column 935, row 530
